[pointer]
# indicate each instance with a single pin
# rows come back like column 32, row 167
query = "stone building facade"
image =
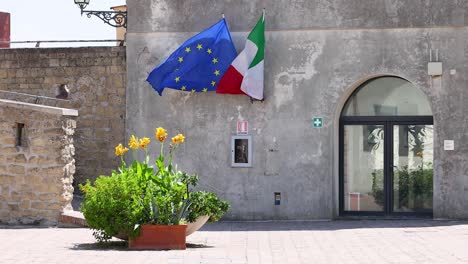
column 319, row 57
column 96, row 78
column 36, row 162
column 318, row 54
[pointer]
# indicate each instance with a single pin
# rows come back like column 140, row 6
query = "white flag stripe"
column 252, row 84
column 243, row 60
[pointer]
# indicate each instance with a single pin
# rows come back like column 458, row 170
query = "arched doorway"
column 386, row 150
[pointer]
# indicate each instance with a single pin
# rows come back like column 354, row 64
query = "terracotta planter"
column 192, row 227
column 159, row 237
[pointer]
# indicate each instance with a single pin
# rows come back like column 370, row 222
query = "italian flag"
column 245, row 75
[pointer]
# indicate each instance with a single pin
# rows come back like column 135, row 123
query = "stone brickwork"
column 36, row 162
column 96, row 77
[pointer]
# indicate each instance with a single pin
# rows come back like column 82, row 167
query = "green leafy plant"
column 206, row 203
column 141, row 194
column 110, row 206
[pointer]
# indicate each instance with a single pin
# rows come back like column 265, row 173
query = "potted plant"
column 149, row 204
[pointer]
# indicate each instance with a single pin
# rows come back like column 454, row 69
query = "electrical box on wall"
column 277, row 198
column 434, row 68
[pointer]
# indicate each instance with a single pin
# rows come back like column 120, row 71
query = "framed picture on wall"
column 241, row 151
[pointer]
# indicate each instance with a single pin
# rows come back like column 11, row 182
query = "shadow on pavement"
column 111, row 245
column 324, row 225
column 193, row 245
column 120, row 246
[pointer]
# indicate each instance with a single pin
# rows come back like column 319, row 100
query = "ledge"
column 71, row 218
column 39, row 108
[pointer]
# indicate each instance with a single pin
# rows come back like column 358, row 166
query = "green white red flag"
column 245, row 75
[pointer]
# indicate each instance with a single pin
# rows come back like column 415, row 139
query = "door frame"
column 388, row 122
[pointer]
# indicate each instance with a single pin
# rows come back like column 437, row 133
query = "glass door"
column 386, row 167
column 363, row 168
column 412, row 168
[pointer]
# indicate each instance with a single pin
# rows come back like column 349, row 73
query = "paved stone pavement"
column 370, row 241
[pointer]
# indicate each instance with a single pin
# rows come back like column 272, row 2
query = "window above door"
column 387, row 96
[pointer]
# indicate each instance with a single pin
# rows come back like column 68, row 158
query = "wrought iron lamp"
column 112, row 18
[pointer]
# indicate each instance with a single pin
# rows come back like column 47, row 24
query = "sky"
column 57, row 20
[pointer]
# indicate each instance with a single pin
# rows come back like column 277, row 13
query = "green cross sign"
column 318, row 122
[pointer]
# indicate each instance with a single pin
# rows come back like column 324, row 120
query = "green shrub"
column 206, row 203
column 110, row 206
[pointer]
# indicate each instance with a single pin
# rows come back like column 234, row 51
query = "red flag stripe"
column 231, row 82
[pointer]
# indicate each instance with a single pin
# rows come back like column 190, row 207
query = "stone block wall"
column 36, row 164
column 96, row 77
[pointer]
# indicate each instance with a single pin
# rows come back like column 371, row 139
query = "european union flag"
column 197, row 65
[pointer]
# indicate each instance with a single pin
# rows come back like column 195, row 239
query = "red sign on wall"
column 242, row 127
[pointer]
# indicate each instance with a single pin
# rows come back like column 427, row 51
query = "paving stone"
column 413, row 241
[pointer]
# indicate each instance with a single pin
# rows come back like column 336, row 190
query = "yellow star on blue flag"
column 191, row 66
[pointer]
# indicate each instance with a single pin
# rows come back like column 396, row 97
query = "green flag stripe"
column 257, row 36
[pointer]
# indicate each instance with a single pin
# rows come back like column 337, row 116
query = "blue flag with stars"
column 198, row 64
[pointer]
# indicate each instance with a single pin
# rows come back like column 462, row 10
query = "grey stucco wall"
column 316, row 53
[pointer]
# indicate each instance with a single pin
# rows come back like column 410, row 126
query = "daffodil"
column 133, row 143
column 178, row 139
column 144, row 142
column 160, row 134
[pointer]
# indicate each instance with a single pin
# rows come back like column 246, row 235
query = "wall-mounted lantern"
column 112, row 18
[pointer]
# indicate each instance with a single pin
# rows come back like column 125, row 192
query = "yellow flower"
column 124, row 150
column 160, row 134
column 144, row 142
column 419, row 154
column 178, row 139
column 120, row 150
column 133, row 144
